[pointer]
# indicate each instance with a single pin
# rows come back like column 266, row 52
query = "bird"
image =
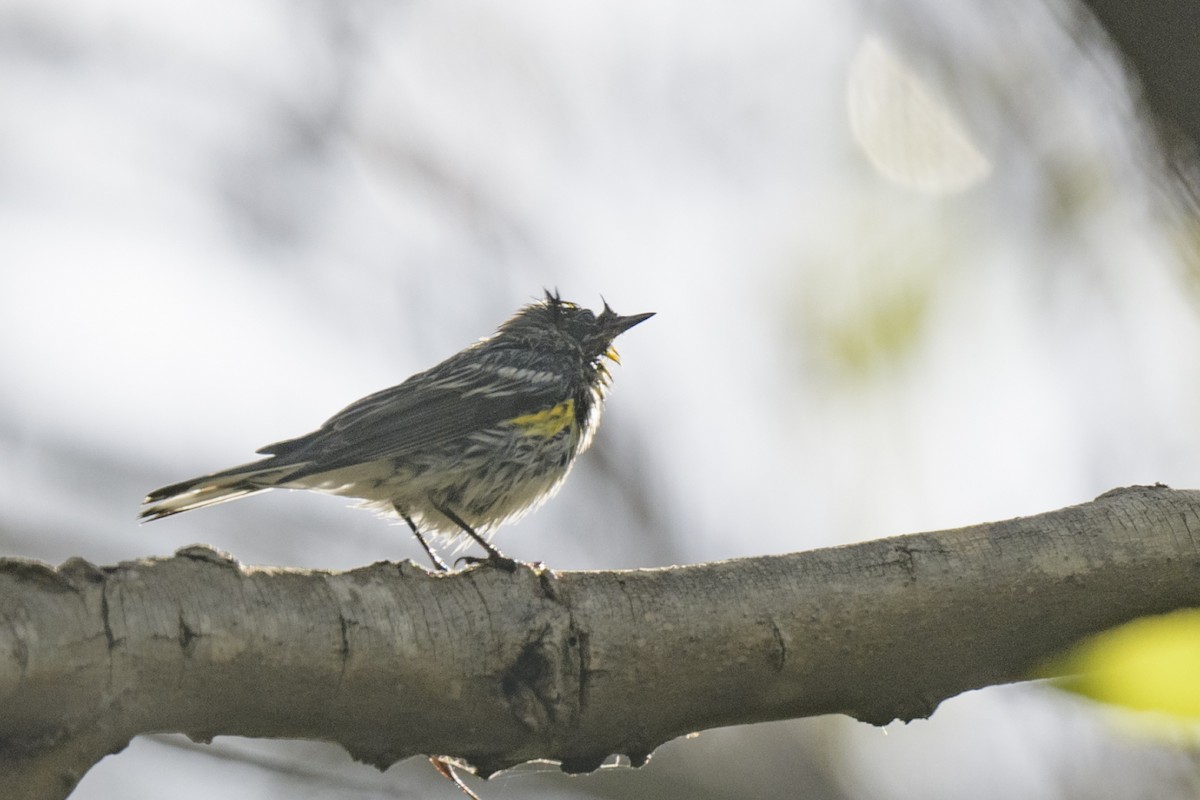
column 473, row 442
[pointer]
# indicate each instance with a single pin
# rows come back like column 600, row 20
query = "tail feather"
column 219, row 487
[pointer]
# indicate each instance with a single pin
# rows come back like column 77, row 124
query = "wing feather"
column 454, row 399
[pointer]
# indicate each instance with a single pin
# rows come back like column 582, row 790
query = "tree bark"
column 499, row 668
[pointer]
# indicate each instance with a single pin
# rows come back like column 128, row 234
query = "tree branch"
column 500, row 668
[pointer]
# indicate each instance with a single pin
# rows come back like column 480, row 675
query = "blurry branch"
column 500, row 668
column 1158, row 39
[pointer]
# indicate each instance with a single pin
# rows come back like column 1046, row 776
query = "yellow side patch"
column 548, row 422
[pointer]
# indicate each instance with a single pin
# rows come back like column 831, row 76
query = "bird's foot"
column 494, row 559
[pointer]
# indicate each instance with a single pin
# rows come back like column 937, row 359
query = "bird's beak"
column 613, row 326
column 621, row 324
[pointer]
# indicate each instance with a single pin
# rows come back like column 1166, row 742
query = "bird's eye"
column 587, row 316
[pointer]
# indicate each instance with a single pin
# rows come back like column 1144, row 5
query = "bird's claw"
column 496, row 560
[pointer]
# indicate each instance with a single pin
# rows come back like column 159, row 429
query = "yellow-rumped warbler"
column 481, row 438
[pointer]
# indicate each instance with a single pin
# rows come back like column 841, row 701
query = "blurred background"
column 915, row 267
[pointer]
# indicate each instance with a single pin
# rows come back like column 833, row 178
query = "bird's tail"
column 219, row 487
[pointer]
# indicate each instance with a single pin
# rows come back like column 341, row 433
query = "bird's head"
column 560, row 324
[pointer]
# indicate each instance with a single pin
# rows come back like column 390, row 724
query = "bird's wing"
column 454, row 399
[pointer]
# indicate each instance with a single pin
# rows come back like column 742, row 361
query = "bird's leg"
column 494, row 556
column 438, row 564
